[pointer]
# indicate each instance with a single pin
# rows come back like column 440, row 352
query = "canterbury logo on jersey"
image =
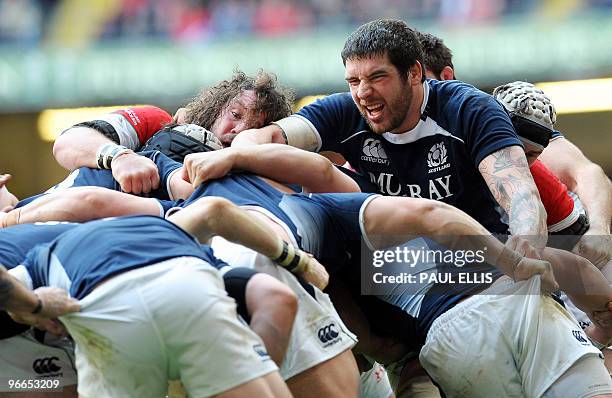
column 46, row 365
column 437, row 158
column 374, row 152
column 329, row 334
column 579, row 335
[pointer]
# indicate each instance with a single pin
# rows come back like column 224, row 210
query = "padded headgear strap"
column 179, row 141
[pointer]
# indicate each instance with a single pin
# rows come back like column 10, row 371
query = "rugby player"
column 225, row 109
column 418, row 138
column 26, row 354
column 207, row 217
column 266, row 304
column 579, row 174
column 380, row 216
column 399, row 216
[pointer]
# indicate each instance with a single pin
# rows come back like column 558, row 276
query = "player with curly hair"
column 225, row 109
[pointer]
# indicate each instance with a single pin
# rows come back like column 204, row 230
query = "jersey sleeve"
column 480, row 121
column 130, row 127
column 553, row 193
column 37, row 265
column 145, row 121
column 330, row 119
column 165, row 167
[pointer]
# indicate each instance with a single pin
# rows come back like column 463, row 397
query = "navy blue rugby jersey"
column 16, row 241
column 438, row 159
column 245, row 189
column 85, row 255
column 86, row 176
column 322, row 224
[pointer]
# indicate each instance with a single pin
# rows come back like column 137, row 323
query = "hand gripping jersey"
column 86, row 176
column 438, row 159
column 84, row 256
column 15, row 242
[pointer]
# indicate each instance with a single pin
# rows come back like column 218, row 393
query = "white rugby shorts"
column 23, row 357
column 509, row 341
column 318, row 333
column 374, row 383
column 170, row 320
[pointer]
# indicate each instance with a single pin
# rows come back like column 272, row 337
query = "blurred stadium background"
column 63, row 54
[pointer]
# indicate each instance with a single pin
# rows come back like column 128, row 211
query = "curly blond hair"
column 274, row 100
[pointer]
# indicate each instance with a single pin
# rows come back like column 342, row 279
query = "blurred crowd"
column 29, row 23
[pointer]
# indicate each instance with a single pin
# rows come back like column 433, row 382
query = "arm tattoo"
column 503, row 161
column 507, row 174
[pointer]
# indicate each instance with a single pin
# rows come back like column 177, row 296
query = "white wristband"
column 107, row 153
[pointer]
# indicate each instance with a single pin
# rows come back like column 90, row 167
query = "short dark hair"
column 273, row 99
column 435, row 53
column 390, row 36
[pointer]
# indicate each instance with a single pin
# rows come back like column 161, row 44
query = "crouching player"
column 163, row 332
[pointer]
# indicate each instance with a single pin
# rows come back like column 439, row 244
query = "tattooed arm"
column 507, row 174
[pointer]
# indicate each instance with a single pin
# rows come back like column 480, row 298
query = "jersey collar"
column 419, row 131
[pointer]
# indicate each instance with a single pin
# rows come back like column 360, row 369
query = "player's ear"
column 415, row 73
column 447, row 73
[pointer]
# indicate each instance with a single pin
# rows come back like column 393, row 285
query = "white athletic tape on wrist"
column 107, row 153
column 599, row 345
column 291, row 258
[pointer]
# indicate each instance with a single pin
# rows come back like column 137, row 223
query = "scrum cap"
column 531, row 111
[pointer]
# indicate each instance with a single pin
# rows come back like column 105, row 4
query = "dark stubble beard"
column 398, row 109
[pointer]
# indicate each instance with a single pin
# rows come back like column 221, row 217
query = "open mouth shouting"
column 374, row 112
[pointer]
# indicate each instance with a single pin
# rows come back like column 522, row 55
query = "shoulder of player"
column 337, row 112
column 453, row 100
column 456, row 92
column 340, row 103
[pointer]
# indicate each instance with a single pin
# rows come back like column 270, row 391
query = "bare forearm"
column 507, row 174
column 458, row 231
column 582, row 281
column 265, row 135
column 527, row 216
column 582, row 177
column 215, row 216
column 594, row 189
column 295, row 166
column 14, row 296
column 77, row 147
column 81, row 204
column 391, row 221
column 211, row 216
